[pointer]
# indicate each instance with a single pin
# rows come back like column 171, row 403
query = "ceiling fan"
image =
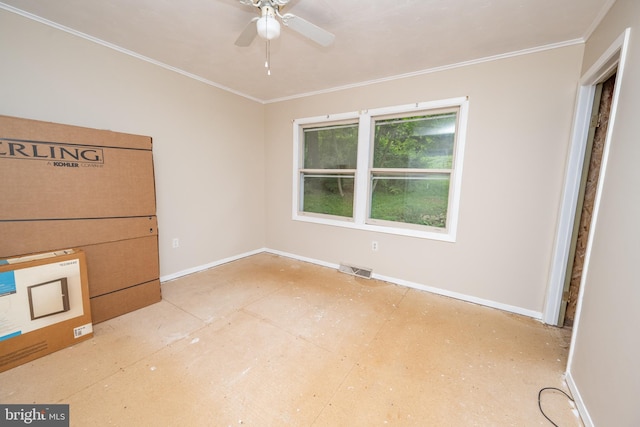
column 268, row 27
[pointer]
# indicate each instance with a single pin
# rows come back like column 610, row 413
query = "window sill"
column 444, row 236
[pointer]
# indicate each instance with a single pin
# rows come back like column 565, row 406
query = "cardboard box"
column 121, row 253
column 69, row 186
column 57, row 171
column 44, row 305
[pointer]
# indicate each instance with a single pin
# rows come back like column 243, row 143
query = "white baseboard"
column 463, row 297
column 575, row 393
column 489, row 303
column 301, row 258
column 208, row 266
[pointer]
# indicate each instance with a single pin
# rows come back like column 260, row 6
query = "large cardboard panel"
column 60, row 172
column 24, row 237
column 116, row 265
column 121, row 186
column 114, row 304
column 44, row 302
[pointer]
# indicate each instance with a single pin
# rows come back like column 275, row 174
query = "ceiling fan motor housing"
column 268, row 26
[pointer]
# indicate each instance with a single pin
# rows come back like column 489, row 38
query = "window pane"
column 421, row 142
column 331, row 147
column 328, row 194
column 413, row 199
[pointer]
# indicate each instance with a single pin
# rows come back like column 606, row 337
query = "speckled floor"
column 270, row 341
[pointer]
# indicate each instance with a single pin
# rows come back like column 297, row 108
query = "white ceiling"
column 375, row 39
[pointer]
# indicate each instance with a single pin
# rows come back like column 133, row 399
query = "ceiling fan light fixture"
column 268, row 26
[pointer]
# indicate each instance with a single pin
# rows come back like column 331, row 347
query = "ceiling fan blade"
column 307, row 29
column 248, row 34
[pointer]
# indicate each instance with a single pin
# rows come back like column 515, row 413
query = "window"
column 394, row 170
column 329, row 167
column 411, row 171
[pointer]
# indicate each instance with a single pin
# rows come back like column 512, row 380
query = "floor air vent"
column 356, row 271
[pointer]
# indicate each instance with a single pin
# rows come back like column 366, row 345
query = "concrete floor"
column 270, row 341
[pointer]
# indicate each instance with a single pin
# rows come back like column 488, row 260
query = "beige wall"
column 519, row 126
column 604, row 363
column 209, row 159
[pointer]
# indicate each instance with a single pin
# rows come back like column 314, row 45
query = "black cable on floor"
column 540, row 405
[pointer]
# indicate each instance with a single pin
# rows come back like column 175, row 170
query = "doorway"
column 597, row 135
column 610, row 63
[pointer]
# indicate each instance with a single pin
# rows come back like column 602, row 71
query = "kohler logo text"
column 49, row 151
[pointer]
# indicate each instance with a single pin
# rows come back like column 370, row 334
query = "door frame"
column 612, row 59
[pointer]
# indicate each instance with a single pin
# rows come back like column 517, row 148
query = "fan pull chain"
column 267, row 61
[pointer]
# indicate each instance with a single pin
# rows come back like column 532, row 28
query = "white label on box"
column 27, row 258
column 82, row 330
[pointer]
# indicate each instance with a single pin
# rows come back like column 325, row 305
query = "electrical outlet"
column 374, row 245
column 175, row 243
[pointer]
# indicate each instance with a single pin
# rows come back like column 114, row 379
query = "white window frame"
column 363, row 170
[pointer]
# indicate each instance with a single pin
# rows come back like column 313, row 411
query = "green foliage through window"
column 420, row 149
column 423, row 142
column 421, row 200
column 330, row 195
column 333, row 147
column 330, row 157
